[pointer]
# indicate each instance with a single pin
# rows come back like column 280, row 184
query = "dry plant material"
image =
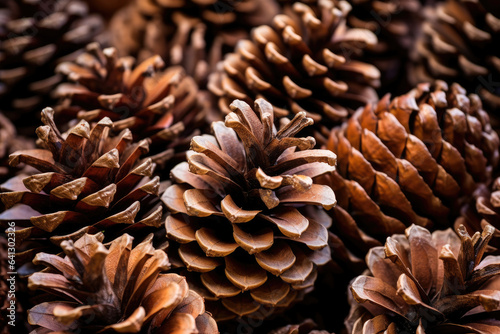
column 460, row 43
column 428, row 283
column 245, row 211
column 152, row 101
column 304, row 61
column 88, row 181
column 35, row 36
column 306, row 327
column 410, row 160
column 192, row 33
column 119, row 289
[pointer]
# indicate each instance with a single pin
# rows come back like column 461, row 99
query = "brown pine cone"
column 460, row 43
column 306, row 327
column 304, row 61
column 427, row 283
column 107, row 8
column 118, row 289
column 245, row 211
column 192, row 33
column 414, row 159
column 162, row 104
column 88, row 182
column 35, row 36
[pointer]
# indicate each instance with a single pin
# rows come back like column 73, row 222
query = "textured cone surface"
column 460, row 43
column 428, row 283
column 192, row 33
column 410, row 160
column 245, row 211
column 162, row 104
column 88, row 181
column 304, row 61
column 306, row 327
column 115, row 289
column 35, row 36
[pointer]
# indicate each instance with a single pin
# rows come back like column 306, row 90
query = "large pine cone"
column 192, row 33
column 302, row 62
column 153, row 102
column 412, row 160
column 88, row 182
column 460, row 43
column 35, row 36
column 244, row 211
column 117, row 290
column 428, row 283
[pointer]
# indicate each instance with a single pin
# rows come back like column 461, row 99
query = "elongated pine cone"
column 460, row 43
column 303, row 62
column 154, row 102
column 35, row 36
column 88, row 182
column 245, row 211
column 410, row 160
column 120, row 289
column 192, row 33
column 428, row 283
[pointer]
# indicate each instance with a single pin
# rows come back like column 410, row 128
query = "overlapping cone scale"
column 88, row 181
column 246, row 211
column 114, row 289
column 414, row 159
column 428, row 283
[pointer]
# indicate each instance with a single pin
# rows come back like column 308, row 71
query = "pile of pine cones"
column 250, row 166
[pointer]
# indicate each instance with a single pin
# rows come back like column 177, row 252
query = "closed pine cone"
column 88, row 182
column 244, row 211
column 428, row 283
column 460, row 43
column 119, row 289
column 162, row 104
column 35, row 36
column 304, row 61
column 192, row 33
column 410, row 160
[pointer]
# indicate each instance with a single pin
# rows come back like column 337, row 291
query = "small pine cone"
column 88, row 182
column 413, row 160
column 483, row 209
column 306, row 327
column 245, row 211
column 460, row 43
column 192, row 33
column 119, row 289
column 35, row 36
column 301, row 62
column 427, row 283
column 154, row 102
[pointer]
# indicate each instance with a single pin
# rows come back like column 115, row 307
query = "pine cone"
column 153, row 102
column 245, row 214
column 413, row 160
column 427, row 283
column 89, row 182
column 459, row 43
column 107, row 8
column 35, row 36
column 306, row 327
column 302, row 62
column 192, row 33
column 118, row 290
column 482, row 210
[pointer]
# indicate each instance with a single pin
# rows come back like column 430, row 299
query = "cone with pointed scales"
column 120, row 289
column 246, row 211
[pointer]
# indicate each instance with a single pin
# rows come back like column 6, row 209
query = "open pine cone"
column 153, row 102
column 88, row 182
column 245, row 211
column 427, row 283
column 192, row 33
column 460, row 43
column 35, row 36
column 306, row 327
column 115, row 290
column 414, row 159
column 304, row 61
